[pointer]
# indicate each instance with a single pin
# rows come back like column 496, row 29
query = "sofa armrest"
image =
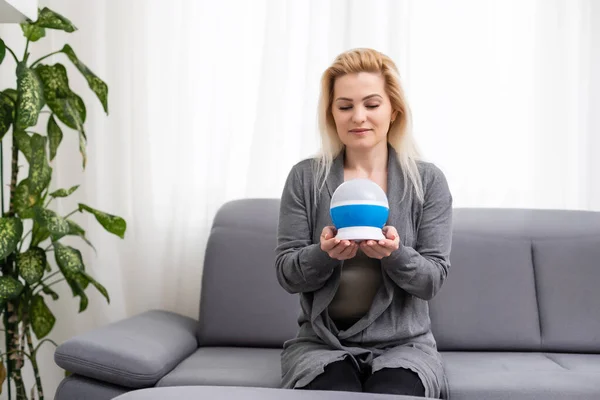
column 135, row 352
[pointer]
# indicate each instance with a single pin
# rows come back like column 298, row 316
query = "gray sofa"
column 518, row 317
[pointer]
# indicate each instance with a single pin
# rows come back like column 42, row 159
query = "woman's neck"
column 367, row 161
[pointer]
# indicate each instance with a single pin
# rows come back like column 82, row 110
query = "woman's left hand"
column 382, row 248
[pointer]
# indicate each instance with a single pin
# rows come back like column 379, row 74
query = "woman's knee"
column 340, row 376
column 395, row 381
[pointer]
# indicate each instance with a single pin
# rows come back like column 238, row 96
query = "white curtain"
column 216, row 100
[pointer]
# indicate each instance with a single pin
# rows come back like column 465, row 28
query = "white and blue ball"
column 359, row 210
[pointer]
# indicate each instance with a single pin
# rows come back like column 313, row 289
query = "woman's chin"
column 360, row 144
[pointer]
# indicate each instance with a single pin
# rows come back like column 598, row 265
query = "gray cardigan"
column 396, row 330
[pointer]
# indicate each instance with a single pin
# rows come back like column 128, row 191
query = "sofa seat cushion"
column 228, row 366
column 577, row 362
column 523, row 376
column 252, row 393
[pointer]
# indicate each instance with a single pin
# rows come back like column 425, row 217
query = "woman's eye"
column 345, row 108
column 372, row 105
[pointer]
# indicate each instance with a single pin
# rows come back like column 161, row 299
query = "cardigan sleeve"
column 301, row 266
column 421, row 271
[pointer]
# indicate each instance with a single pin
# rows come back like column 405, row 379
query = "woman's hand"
column 382, row 248
column 335, row 248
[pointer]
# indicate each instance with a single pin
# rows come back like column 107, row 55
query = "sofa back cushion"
column 241, row 302
column 519, row 280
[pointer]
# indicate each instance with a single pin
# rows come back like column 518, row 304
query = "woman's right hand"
column 335, row 248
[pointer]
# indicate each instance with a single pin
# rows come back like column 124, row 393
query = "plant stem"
column 13, row 54
column 13, row 177
column 11, row 352
column 53, row 283
column 46, row 56
column 9, row 268
column 8, row 363
column 41, row 283
column 18, row 364
column 23, row 238
column 26, row 48
column 34, row 364
column 50, row 276
column 71, row 213
column 45, row 340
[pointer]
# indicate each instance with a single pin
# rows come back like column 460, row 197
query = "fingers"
column 329, row 244
column 390, row 232
column 328, row 232
column 374, row 250
column 328, row 240
column 343, row 250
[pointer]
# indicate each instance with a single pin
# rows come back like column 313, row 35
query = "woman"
column 364, row 322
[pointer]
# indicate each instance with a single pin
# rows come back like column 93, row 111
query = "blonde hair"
column 399, row 135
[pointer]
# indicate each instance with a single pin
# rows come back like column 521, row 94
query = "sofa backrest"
column 241, row 302
column 520, row 280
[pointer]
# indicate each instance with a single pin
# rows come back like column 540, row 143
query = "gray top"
column 359, row 282
column 395, row 332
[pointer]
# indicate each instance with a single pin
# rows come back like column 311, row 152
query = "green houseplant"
column 32, row 257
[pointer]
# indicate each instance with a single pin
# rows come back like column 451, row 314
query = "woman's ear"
column 394, row 115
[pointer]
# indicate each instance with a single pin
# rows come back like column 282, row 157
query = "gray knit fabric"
column 395, row 332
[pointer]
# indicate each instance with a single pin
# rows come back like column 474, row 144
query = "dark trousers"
column 344, row 376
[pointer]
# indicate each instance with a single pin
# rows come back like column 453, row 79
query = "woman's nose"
column 359, row 115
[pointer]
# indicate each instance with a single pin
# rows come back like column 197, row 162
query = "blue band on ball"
column 359, row 215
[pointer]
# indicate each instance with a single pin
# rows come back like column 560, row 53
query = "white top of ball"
column 359, row 191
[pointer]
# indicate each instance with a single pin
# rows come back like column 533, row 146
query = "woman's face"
column 362, row 110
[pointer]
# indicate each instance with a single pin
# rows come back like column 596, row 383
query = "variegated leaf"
column 24, row 200
column 64, row 103
column 53, row 20
column 64, row 192
column 32, row 32
column 2, row 54
column 11, row 230
column 13, row 94
column 82, row 281
column 42, row 319
column 31, row 264
column 55, row 136
column 75, row 230
column 7, row 110
column 31, row 96
column 112, row 223
column 52, row 222
column 40, row 171
column 39, row 232
column 23, row 142
column 71, row 265
column 98, row 286
column 82, row 144
column 10, row 288
column 47, row 290
column 68, row 259
column 96, row 84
